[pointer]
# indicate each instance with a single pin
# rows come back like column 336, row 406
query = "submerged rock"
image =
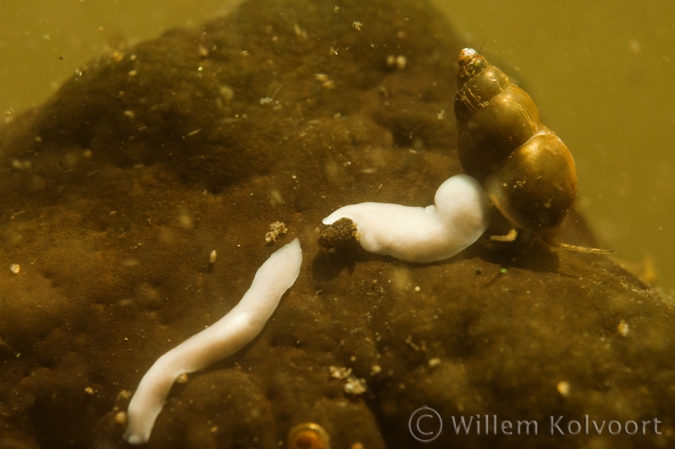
column 117, row 191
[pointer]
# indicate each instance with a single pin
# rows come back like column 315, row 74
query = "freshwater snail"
column 308, row 435
column 527, row 170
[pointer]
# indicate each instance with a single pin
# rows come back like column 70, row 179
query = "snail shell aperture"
column 308, row 435
column 527, row 170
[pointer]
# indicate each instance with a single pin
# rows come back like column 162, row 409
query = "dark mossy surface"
column 115, row 192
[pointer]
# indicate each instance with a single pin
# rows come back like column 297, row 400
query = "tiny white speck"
column 434, row 362
column 183, row 378
column 623, row 328
column 563, row 388
column 121, row 417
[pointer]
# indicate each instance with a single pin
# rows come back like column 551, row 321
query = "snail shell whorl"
column 526, row 169
column 307, row 435
column 527, row 199
column 494, row 117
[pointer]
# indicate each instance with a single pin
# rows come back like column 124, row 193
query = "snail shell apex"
column 470, row 64
column 494, row 116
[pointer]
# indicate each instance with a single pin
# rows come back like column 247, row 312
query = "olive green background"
column 602, row 73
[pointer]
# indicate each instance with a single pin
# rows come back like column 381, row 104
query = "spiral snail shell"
column 527, row 170
column 307, row 435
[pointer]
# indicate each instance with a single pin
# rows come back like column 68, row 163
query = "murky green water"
column 603, row 77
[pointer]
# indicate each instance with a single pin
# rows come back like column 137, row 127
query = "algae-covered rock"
column 118, row 189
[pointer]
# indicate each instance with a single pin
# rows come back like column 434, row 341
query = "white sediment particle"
column 461, row 214
column 355, row 386
column 277, row 229
column 184, row 218
column 182, row 379
column 9, row 115
column 326, row 82
column 623, row 328
column 341, row 372
column 300, row 34
column 409, row 341
column 130, row 263
column 563, row 388
column 121, row 417
column 124, row 395
column 21, row 165
column 117, row 56
column 15, row 268
column 398, row 61
column 222, row 339
column 275, row 197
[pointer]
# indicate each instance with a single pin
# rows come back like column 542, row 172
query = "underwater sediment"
column 118, row 189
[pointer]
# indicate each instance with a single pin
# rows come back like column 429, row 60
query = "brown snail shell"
column 307, row 435
column 494, row 117
column 535, row 185
column 526, row 169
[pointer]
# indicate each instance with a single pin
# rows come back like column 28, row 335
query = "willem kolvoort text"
column 555, row 425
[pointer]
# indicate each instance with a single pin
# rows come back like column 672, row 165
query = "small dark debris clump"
column 339, row 235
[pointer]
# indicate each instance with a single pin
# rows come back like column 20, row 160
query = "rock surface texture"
column 118, row 189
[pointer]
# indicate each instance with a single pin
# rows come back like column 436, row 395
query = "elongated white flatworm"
column 222, row 339
column 460, row 215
